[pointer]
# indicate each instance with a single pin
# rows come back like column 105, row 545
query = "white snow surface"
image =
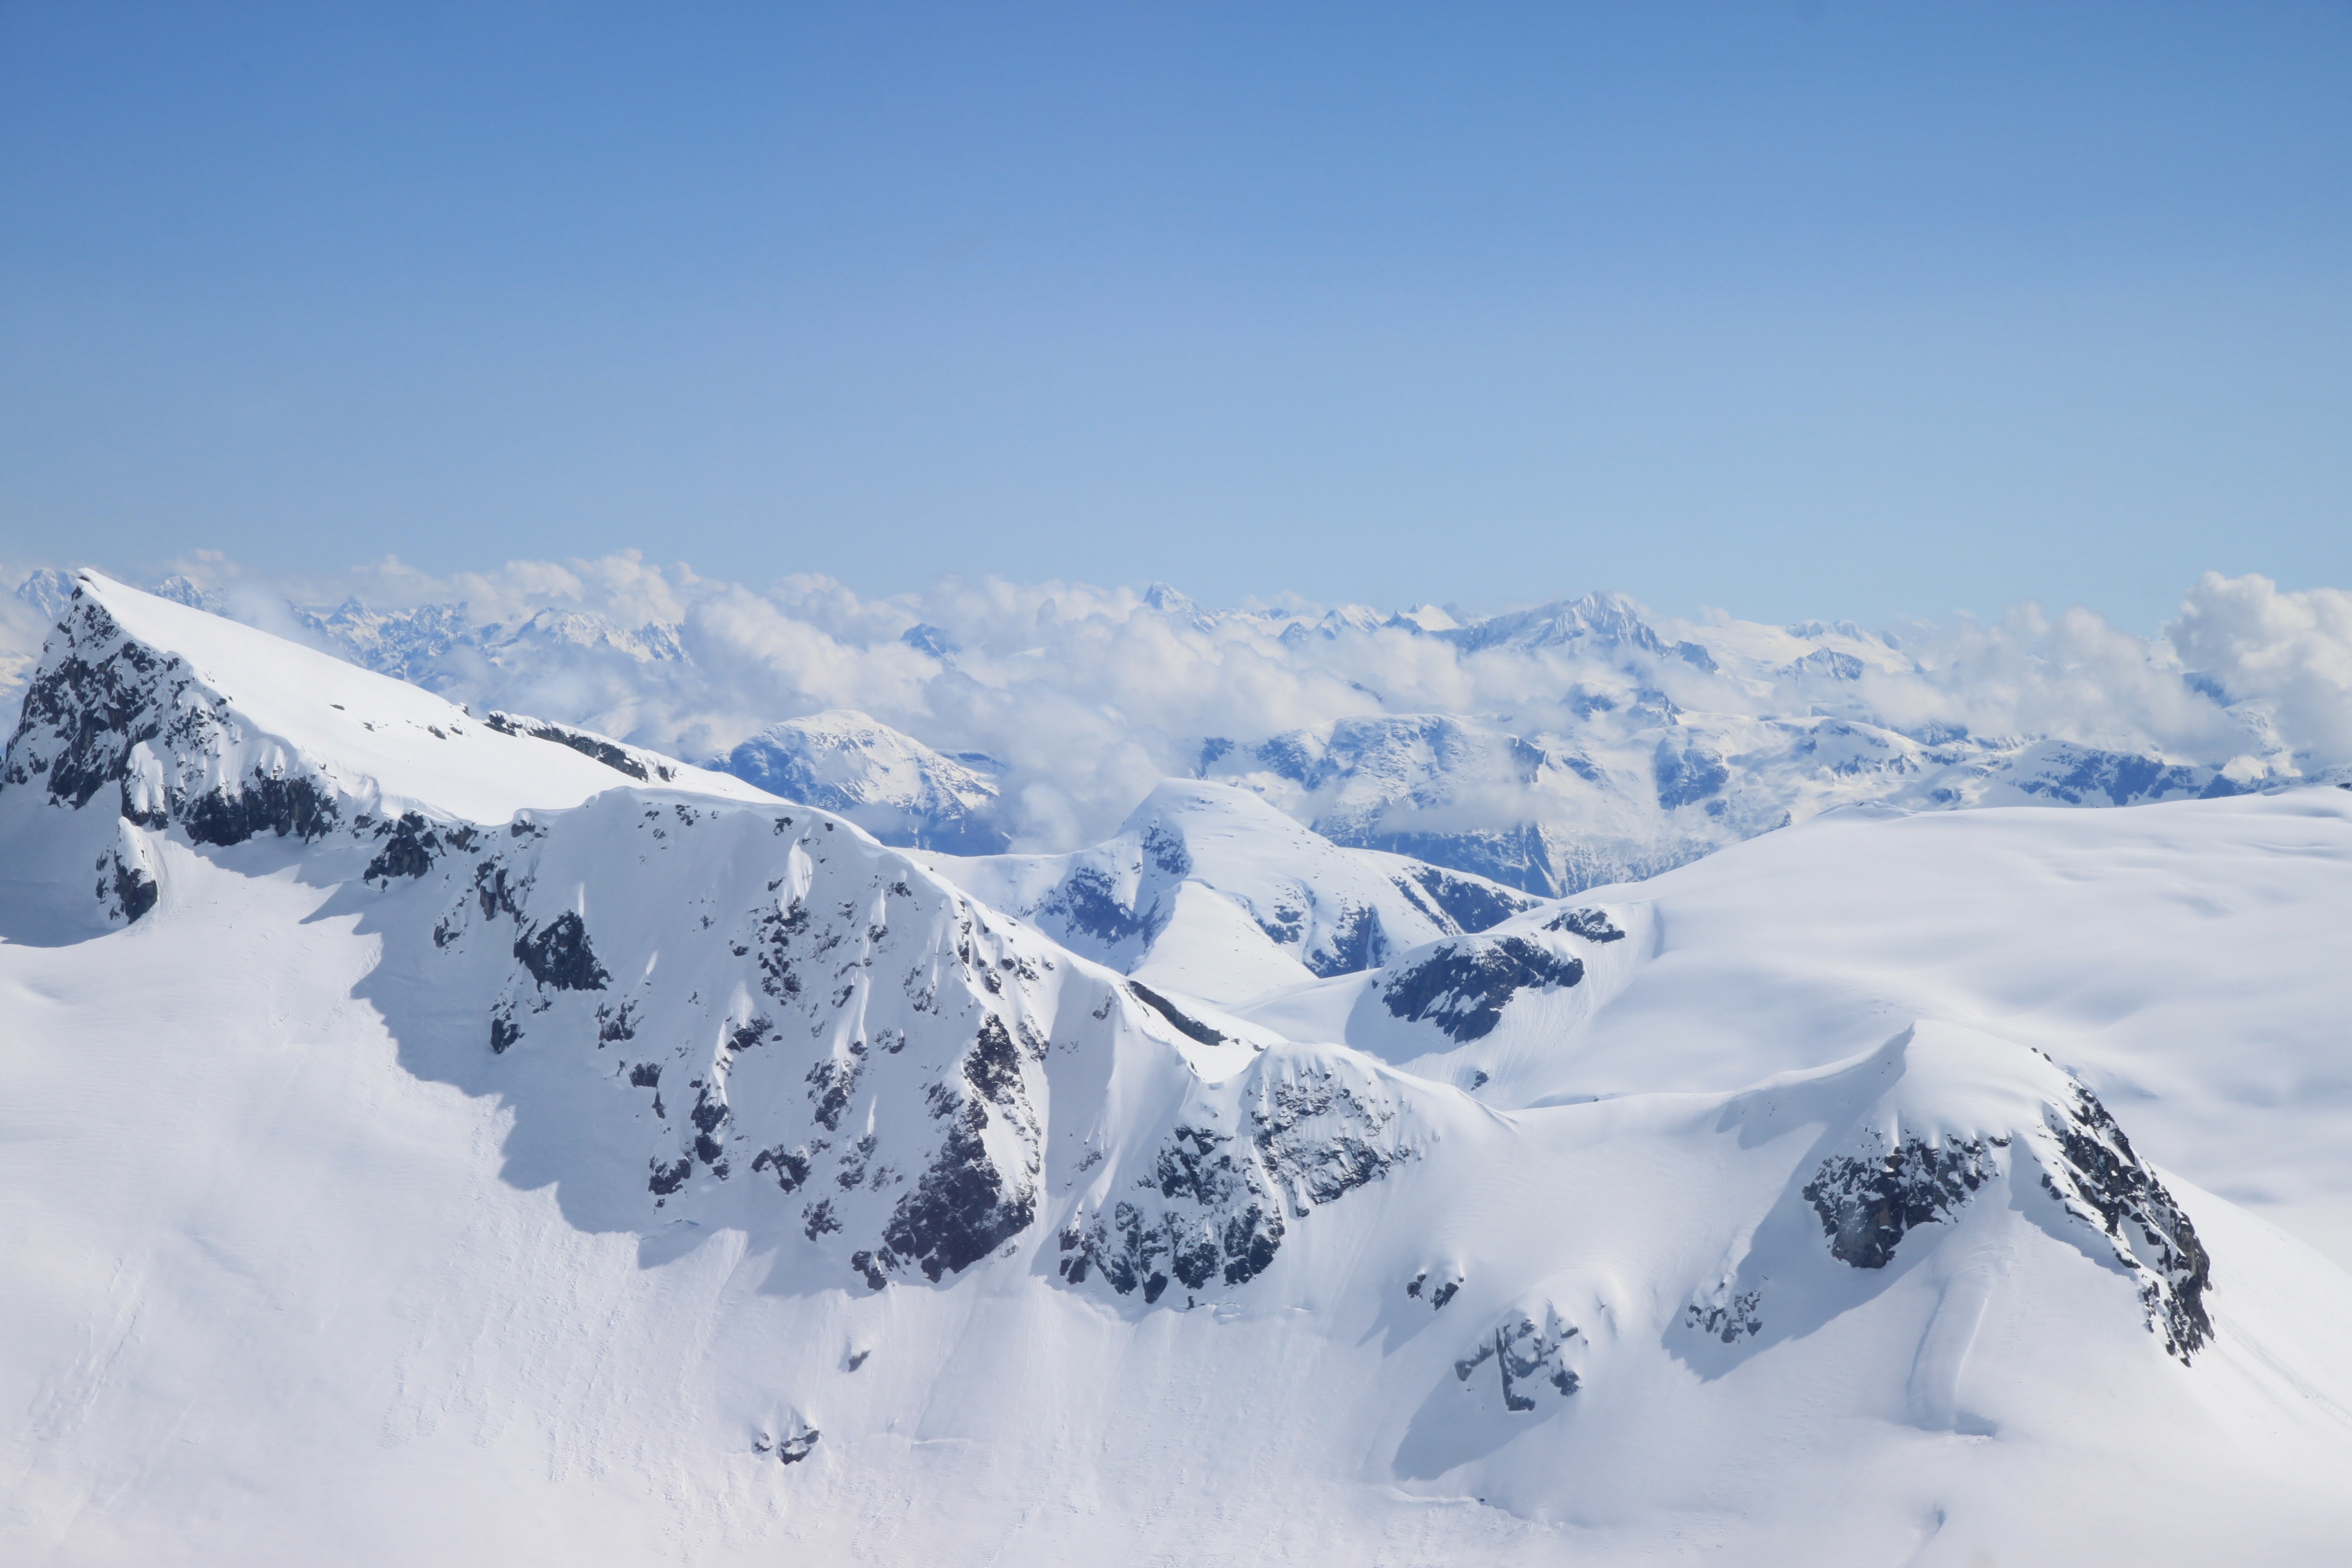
column 1209, row 890
column 640, row 1173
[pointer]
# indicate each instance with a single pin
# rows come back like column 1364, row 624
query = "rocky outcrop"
column 2103, row 1184
column 1867, row 1202
column 1529, row 1351
column 1464, row 986
column 1294, row 1133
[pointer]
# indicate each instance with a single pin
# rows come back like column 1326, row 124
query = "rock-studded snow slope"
column 664, row 1175
column 1209, row 890
column 2187, row 960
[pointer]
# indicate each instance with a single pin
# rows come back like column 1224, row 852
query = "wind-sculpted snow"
column 173, row 719
column 1959, row 1115
column 636, row 762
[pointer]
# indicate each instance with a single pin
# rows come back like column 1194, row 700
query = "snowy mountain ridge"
column 626, row 1163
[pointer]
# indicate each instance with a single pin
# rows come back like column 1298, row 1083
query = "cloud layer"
column 1084, row 696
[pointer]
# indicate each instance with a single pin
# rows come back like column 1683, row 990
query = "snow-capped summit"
column 889, row 784
column 192, row 721
column 45, row 592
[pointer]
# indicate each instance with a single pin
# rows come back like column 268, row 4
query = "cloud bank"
column 1589, row 713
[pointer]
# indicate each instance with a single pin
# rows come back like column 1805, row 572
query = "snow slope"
column 1208, row 891
column 890, row 784
column 658, row 1175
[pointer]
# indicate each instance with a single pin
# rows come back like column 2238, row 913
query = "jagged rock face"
column 1870, row 1200
column 638, row 764
column 1464, row 986
column 2102, row 1183
column 1866, row 1204
column 106, row 711
column 1296, row 1132
column 869, row 1052
column 1592, row 925
column 865, row 1047
column 116, row 725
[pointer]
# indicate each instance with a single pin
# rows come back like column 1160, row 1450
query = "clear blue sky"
column 1792, row 309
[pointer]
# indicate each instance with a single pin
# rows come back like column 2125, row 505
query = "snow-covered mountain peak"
column 887, row 781
column 170, row 716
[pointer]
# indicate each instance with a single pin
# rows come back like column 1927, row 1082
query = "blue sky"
column 1794, row 310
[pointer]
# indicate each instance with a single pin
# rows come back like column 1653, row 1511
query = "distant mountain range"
column 1623, row 750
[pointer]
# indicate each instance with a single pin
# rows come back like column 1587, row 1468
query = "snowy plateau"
column 440, row 1130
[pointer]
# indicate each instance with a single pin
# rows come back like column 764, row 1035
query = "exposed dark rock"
column 97, row 712
column 1312, row 1138
column 791, row 1165
column 1473, row 905
column 1359, row 943
column 1867, row 1203
column 962, row 1208
column 708, row 1113
column 408, row 852
column 831, row 1085
column 791, row 1451
column 1524, row 1353
column 558, row 954
column 490, row 888
column 1183, row 1023
column 134, row 890
column 1464, row 986
column 2120, row 777
column 991, row 1066
column 1088, row 903
column 296, row 806
column 587, row 743
column 2102, row 1183
column 1729, row 1317
column 1592, row 925
column 1686, row 773
column 1167, row 851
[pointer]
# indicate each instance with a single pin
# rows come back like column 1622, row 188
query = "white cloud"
column 1088, row 695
